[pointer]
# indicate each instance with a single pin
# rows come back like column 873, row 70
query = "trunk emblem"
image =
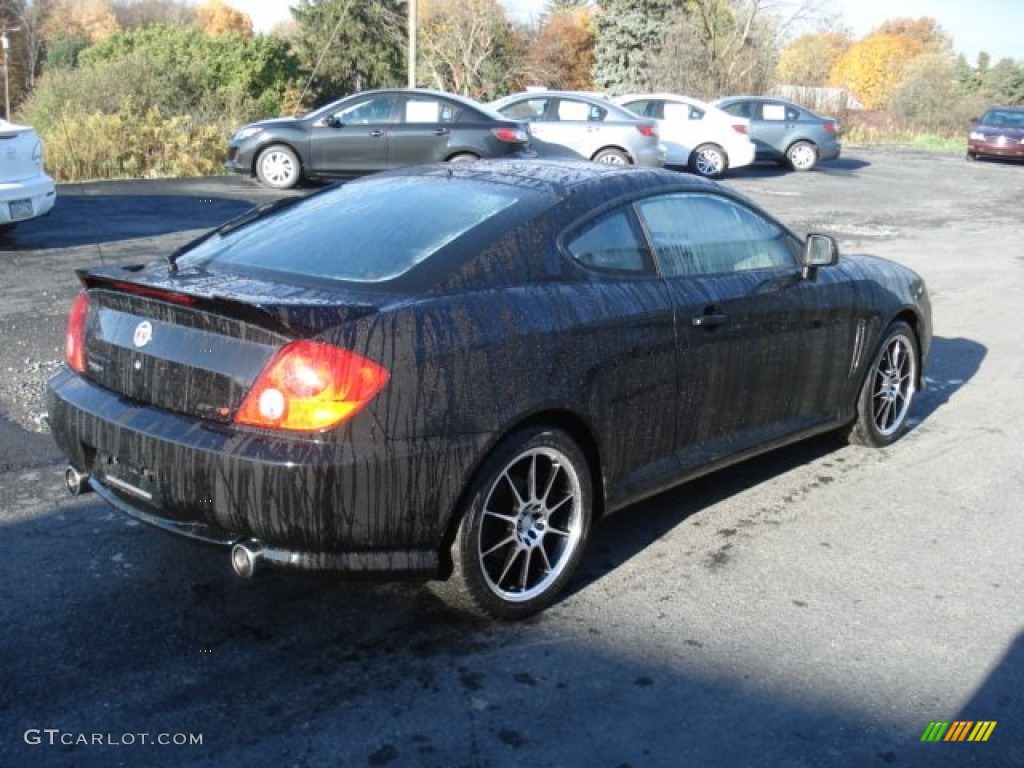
column 143, row 333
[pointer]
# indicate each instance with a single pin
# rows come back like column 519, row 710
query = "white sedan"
column 696, row 135
column 25, row 190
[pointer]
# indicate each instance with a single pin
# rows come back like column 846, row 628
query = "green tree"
column 930, row 99
column 344, row 46
column 629, row 36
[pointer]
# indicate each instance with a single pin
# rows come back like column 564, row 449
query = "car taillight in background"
column 740, row 128
column 831, row 127
column 74, row 343
column 310, row 386
column 510, row 135
column 647, row 130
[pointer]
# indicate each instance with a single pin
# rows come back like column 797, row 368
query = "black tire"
column 612, row 156
column 524, row 527
column 802, row 156
column 973, row 157
column 278, row 167
column 709, row 161
column 463, row 157
column 888, row 389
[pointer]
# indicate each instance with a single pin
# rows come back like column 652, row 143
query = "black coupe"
column 452, row 371
column 374, row 131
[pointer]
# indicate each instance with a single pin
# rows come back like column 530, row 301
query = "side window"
column 579, row 111
column 611, row 243
column 530, row 109
column 792, row 115
column 773, row 112
column 375, row 110
column 418, row 110
column 742, row 109
column 699, row 234
column 643, row 108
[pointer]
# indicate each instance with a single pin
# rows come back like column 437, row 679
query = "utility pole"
column 412, row 43
column 5, row 43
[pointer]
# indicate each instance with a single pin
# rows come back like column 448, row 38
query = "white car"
column 697, row 135
column 25, row 190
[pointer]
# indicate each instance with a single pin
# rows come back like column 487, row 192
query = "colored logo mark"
column 959, row 730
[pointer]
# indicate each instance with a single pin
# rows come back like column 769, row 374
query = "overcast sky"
column 996, row 26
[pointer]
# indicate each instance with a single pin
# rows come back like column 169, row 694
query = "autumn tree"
column 924, row 30
column 465, row 47
column 346, row 46
column 808, row 60
column 215, row 17
column 137, row 14
column 562, row 54
column 873, row 68
column 93, row 20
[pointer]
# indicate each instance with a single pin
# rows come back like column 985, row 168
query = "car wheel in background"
column 888, row 389
column 278, row 167
column 971, row 156
column 709, row 161
column 463, row 157
column 524, row 527
column 802, row 156
column 611, row 156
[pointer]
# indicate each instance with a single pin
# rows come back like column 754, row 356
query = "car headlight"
column 977, row 136
column 246, row 133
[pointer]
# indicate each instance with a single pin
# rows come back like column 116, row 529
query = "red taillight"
column 740, row 128
column 310, row 386
column 830, row 127
column 647, row 130
column 511, row 135
column 153, row 293
column 74, row 345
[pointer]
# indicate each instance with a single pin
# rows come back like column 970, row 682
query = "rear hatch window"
column 20, row 153
column 370, row 231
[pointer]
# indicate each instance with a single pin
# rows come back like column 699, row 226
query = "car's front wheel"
column 524, row 526
column 802, row 156
column 611, row 156
column 888, row 389
column 463, row 157
column 278, row 167
column 709, row 161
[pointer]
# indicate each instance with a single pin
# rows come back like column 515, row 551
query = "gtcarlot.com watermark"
column 56, row 737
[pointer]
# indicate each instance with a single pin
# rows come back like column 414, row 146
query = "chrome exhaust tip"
column 76, row 482
column 245, row 556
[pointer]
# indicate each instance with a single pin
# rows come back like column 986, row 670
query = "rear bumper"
column 39, row 191
column 651, row 157
column 379, row 505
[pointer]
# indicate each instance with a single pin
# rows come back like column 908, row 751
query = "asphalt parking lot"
column 819, row 606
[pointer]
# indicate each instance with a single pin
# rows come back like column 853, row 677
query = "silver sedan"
column 568, row 124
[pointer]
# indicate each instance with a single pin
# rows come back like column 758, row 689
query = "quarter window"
column 611, row 243
column 699, row 234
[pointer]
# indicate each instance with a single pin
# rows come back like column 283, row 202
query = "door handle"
column 709, row 319
column 442, row 132
column 376, row 133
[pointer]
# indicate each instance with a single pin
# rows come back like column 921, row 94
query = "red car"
column 997, row 133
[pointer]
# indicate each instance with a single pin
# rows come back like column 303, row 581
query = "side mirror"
column 819, row 251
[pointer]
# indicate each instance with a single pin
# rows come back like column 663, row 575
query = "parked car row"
column 391, row 128
column 25, row 190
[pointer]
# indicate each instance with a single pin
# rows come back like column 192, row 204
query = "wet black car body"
column 539, row 338
column 373, row 131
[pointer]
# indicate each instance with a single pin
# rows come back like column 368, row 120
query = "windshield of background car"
column 364, row 232
column 1001, row 117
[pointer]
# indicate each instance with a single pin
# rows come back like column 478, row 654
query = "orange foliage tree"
column 93, row 20
column 562, row 56
column 809, row 59
column 873, row 68
column 216, row 18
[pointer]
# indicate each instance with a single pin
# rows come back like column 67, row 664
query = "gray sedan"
column 786, row 132
column 568, row 124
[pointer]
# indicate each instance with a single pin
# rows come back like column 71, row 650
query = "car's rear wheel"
column 278, row 167
column 709, row 161
column 611, row 156
column 463, row 157
column 524, row 527
column 888, row 389
column 802, row 156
